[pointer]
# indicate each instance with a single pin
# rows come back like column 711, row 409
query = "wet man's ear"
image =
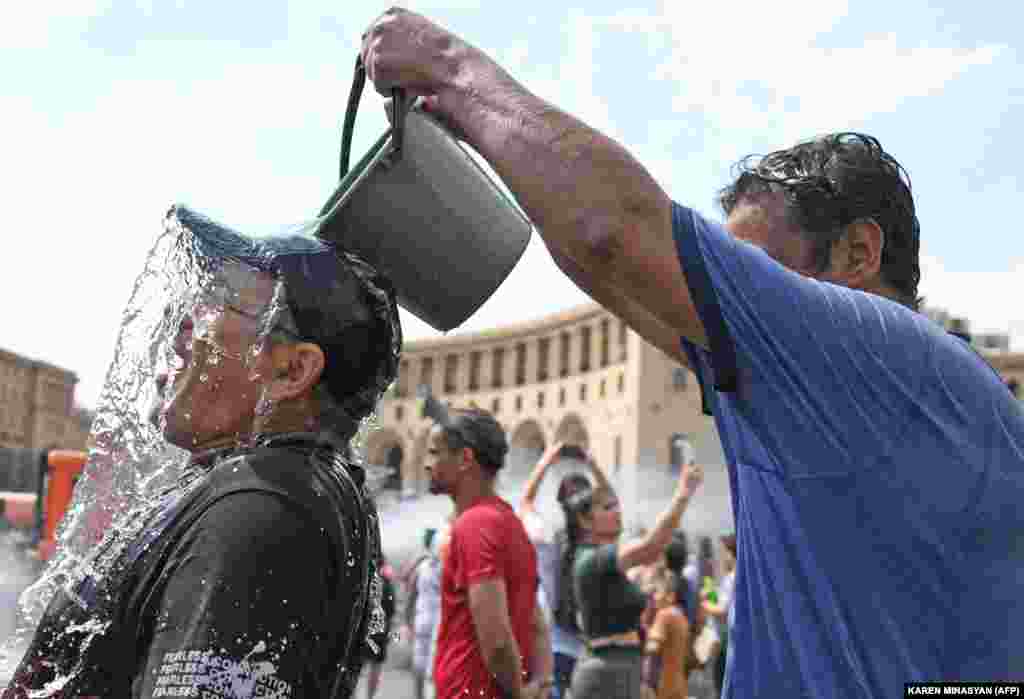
column 297, row 368
column 856, row 258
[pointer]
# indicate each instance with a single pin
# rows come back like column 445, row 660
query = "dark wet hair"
column 478, row 430
column 334, row 299
column 831, row 182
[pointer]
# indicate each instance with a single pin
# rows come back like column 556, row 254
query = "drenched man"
column 876, row 462
column 493, row 642
column 255, row 573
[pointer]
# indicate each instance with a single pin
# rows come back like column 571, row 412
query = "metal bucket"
column 420, row 209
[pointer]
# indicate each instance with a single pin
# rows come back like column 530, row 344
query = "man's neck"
column 285, row 421
column 472, row 493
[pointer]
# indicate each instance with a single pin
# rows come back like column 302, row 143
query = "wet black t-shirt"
column 245, row 584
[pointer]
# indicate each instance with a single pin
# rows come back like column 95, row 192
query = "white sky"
column 112, row 111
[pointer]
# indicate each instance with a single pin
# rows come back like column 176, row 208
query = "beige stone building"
column 579, row 376
column 37, row 405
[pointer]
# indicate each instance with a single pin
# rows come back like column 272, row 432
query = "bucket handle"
column 397, row 111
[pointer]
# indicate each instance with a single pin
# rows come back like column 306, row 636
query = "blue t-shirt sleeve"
column 794, row 355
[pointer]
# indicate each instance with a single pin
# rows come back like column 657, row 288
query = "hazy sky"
column 112, row 111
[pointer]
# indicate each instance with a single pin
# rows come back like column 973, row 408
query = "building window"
column 564, row 342
column 618, row 450
column 520, row 363
column 623, row 340
column 540, row 400
column 497, row 367
column 561, row 397
column 622, row 382
column 399, row 413
column 427, row 372
column 602, row 389
column 605, row 342
column 680, row 377
column 585, row 349
column 402, row 381
column 451, row 373
column 496, row 406
column 583, row 393
column 519, row 404
column 543, row 355
column 475, row 358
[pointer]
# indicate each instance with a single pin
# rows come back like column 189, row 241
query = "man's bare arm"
column 638, row 318
column 488, row 605
column 542, row 664
column 590, row 199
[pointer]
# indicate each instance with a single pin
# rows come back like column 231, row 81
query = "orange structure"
column 59, row 470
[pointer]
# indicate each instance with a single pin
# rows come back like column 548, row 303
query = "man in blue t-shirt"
column 876, row 462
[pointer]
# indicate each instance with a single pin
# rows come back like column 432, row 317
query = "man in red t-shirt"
column 493, row 642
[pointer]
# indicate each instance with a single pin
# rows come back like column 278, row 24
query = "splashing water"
column 131, row 466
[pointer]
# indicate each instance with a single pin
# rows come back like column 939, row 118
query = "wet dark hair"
column 831, row 182
column 478, row 430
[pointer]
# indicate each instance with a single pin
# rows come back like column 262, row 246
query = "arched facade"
column 579, row 376
column 386, row 447
column 529, row 435
column 573, row 432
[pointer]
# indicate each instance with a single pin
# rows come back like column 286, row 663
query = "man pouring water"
column 875, row 462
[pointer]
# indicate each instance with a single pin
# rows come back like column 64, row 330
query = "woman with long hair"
column 604, row 605
column 566, row 646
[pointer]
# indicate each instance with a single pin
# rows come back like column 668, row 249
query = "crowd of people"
column 636, row 618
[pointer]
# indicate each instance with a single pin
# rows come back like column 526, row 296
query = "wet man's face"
column 211, row 396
